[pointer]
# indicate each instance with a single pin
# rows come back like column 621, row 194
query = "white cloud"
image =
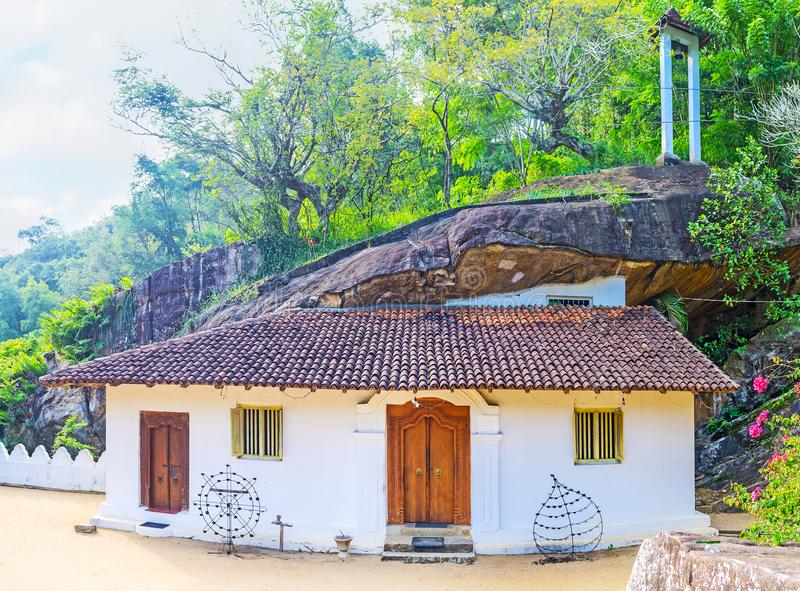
column 58, row 146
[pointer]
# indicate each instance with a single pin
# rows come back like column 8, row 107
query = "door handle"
column 437, row 471
column 418, row 471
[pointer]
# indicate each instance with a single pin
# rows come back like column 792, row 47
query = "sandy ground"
column 40, row 550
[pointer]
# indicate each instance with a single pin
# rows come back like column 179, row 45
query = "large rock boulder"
column 470, row 251
column 48, row 409
column 677, row 562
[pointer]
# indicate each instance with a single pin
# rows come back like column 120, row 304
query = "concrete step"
column 429, row 557
column 400, row 543
column 152, row 529
column 413, row 530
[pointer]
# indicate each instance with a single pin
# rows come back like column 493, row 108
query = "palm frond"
column 670, row 304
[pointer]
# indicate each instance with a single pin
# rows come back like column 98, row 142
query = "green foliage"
column 670, row 304
column 742, row 225
column 754, row 43
column 36, row 298
column 776, row 507
column 726, row 419
column 71, row 329
column 66, row 436
column 720, row 345
column 21, row 363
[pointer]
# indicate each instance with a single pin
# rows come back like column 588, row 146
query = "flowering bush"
column 760, row 384
column 776, row 506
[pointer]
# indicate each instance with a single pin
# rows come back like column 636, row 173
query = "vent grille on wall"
column 567, row 301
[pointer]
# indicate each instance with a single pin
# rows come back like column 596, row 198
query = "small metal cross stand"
column 280, row 523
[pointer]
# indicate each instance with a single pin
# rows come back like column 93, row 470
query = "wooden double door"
column 428, row 462
column 164, row 458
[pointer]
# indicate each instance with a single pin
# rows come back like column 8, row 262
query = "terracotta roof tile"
column 423, row 348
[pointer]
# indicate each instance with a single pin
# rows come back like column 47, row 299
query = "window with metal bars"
column 568, row 301
column 598, row 436
column 257, row 432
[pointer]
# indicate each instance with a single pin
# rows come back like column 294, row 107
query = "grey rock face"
column 715, row 451
column 735, row 456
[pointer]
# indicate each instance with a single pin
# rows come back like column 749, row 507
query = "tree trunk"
column 448, row 148
column 448, row 167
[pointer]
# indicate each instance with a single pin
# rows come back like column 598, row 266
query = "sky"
column 61, row 154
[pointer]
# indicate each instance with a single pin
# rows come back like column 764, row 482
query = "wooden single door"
column 164, row 457
column 428, row 462
column 415, row 480
column 441, row 471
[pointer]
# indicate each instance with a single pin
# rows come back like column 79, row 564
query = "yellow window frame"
column 266, row 432
column 588, row 439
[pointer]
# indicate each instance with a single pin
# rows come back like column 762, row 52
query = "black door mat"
column 154, row 525
column 427, row 542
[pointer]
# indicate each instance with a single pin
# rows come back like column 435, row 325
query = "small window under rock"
column 568, row 301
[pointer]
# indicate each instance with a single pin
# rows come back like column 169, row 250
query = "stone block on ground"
column 674, row 561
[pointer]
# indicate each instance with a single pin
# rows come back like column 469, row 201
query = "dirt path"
column 41, row 551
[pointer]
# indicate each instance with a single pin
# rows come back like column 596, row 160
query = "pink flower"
column 779, row 457
column 784, row 438
column 760, row 384
column 755, row 430
column 762, row 417
column 797, row 389
column 755, row 494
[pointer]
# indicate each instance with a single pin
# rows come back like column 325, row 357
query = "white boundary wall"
column 60, row 472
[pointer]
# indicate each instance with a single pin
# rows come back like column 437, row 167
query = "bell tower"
column 678, row 40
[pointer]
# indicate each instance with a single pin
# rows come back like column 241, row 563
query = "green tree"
column 34, row 234
column 754, row 44
column 35, row 298
column 550, row 58
column 442, row 41
column 167, row 211
column 743, row 224
column 10, row 308
column 271, row 128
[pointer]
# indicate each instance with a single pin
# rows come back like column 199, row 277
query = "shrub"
column 743, row 224
column 21, row 363
column 670, row 304
column 66, row 436
column 725, row 419
column 776, row 505
column 68, row 329
column 718, row 347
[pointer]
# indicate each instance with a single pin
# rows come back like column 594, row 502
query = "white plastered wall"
column 333, row 475
column 603, row 291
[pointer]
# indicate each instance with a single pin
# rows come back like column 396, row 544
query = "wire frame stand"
column 230, row 506
column 567, row 524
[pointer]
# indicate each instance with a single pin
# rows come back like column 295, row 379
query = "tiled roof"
column 423, row 348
